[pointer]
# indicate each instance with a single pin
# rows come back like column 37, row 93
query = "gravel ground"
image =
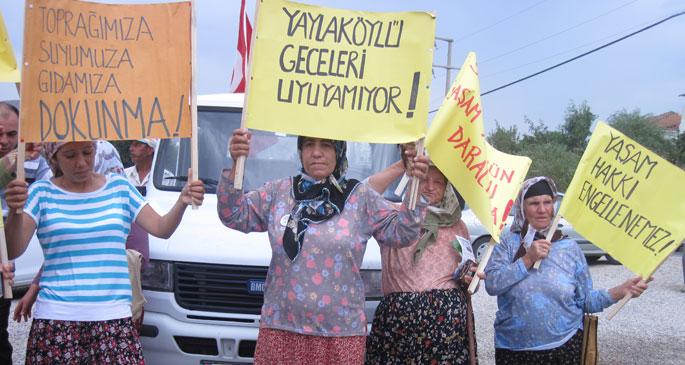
column 648, row 330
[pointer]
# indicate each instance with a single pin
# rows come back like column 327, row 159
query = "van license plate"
column 255, row 286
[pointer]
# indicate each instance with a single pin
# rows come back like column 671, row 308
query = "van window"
column 272, row 155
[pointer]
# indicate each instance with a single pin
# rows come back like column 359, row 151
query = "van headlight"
column 158, row 275
column 372, row 284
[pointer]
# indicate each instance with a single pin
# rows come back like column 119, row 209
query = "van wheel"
column 611, row 260
column 592, row 259
column 479, row 246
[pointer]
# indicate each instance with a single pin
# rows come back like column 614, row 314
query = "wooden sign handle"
column 4, row 258
column 481, row 266
column 194, row 153
column 550, row 234
column 414, row 186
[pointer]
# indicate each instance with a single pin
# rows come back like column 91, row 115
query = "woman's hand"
column 635, row 287
column 419, row 167
column 16, row 194
column 8, row 272
column 193, row 192
column 25, row 305
column 239, row 144
column 538, row 250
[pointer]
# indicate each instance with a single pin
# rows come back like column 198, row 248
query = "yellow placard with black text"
column 340, row 74
column 487, row 178
column 627, row 200
column 8, row 64
column 104, row 71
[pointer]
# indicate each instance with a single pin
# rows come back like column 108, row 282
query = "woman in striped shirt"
column 82, row 219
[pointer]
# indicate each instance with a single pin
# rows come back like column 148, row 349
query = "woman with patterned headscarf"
column 82, row 219
column 423, row 317
column 318, row 224
column 540, row 312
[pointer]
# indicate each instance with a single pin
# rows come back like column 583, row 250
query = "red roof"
column 668, row 120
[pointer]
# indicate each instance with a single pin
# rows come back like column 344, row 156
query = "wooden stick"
column 6, row 287
column 402, row 184
column 21, row 150
column 614, row 310
column 619, row 305
column 481, row 266
column 550, row 234
column 240, row 164
column 194, row 153
column 414, row 187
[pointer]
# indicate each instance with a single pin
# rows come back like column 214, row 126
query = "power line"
column 557, row 33
column 584, row 54
column 579, row 56
column 596, row 41
column 500, row 21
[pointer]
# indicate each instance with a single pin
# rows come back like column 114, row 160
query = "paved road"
column 649, row 330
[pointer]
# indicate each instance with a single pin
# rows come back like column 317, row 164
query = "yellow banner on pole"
column 8, row 64
column 342, row 74
column 487, row 178
column 103, row 71
column 627, row 200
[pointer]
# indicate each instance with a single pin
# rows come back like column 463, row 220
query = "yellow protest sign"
column 8, row 64
column 626, row 200
column 342, row 74
column 487, row 178
column 102, row 71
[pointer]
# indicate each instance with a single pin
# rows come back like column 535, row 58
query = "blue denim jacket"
column 540, row 309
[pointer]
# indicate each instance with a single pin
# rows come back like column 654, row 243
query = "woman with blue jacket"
column 540, row 311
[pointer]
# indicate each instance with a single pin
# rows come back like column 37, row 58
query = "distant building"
column 669, row 122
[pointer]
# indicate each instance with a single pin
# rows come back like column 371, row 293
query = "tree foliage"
column 639, row 127
column 576, row 127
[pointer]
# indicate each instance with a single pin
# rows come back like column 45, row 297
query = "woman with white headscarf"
column 540, row 312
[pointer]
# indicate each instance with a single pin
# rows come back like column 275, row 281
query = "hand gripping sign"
column 487, row 178
column 626, row 200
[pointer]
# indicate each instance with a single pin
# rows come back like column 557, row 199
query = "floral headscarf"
column 316, row 201
column 49, row 149
column 519, row 216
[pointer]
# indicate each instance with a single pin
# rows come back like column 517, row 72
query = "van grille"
column 218, row 288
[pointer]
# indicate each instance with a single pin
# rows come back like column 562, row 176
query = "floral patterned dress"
column 321, row 292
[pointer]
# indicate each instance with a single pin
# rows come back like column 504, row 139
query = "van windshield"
column 272, row 155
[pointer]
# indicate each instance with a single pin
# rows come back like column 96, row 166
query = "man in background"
column 35, row 168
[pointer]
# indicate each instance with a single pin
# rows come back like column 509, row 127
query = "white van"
column 204, row 286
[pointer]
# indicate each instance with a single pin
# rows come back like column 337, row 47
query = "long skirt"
column 566, row 354
column 90, row 342
column 420, row 328
column 284, row 347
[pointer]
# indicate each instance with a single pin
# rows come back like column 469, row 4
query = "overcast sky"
column 512, row 39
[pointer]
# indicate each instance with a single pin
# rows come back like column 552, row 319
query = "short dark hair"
column 11, row 107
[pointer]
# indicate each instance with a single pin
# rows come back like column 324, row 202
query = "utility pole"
column 448, row 67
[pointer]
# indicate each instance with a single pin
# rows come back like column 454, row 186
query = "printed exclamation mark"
column 180, row 116
column 507, row 209
column 414, row 93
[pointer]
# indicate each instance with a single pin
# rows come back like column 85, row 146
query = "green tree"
column 679, row 157
column 576, row 127
column 639, row 127
column 538, row 133
column 505, row 139
column 122, row 148
column 553, row 160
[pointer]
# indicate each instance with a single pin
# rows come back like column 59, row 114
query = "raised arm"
column 19, row 228
column 394, row 227
column 381, row 180
column 164, row 226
